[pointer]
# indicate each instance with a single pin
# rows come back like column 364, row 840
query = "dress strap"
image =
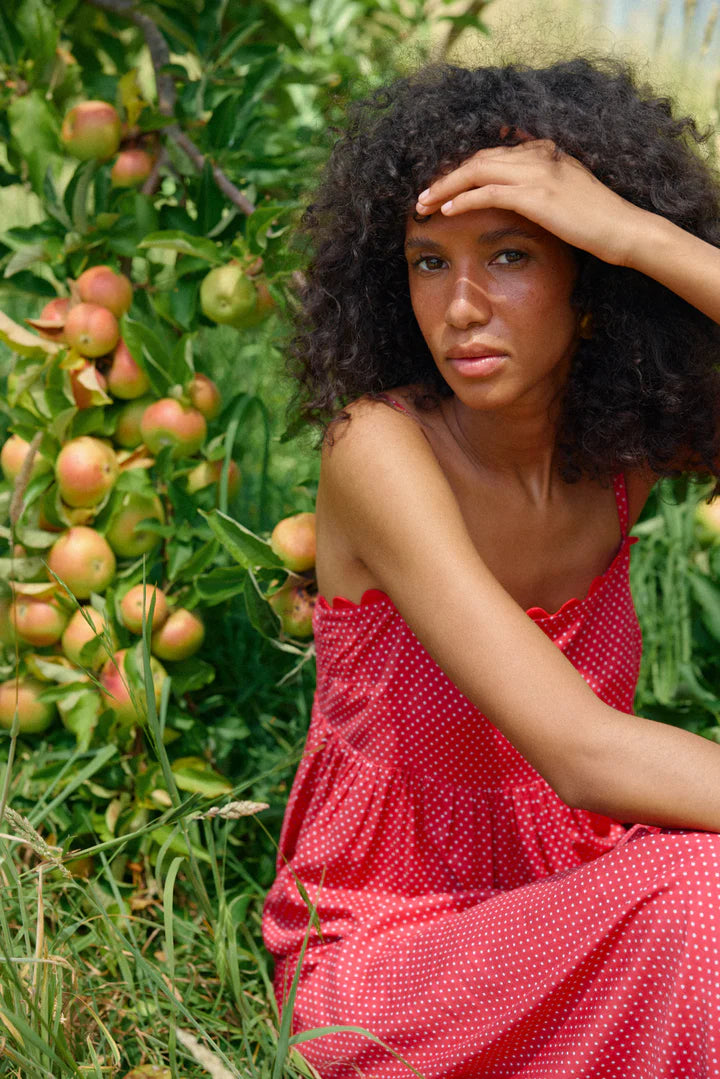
column 394, row 403
column 621, row 501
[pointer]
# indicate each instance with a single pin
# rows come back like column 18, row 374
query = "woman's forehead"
column 487, row 223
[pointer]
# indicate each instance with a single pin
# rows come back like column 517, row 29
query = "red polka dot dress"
column 470, row 919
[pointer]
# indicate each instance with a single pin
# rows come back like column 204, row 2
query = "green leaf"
column 39, row 28
column 34, row 132
column 26, row 256
column 244, row 546
column 176, row 844
column 190, row 675
column 195, row 775
column 221, row 583
column 21, row 340
column 262, row 616
column 184, row 244
column 198, row 562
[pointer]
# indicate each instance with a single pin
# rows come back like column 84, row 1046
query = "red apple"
column 83, row 560
column 34, row 716
column 101, row 285
column 116, row 694
column 124, row 533
column 205, row 396
column 294, row 606
column 131, row 168
column 12, row 457
column 86, row 470
column 38, row 621
column 293, row 541
column 51, row 323
column 136, row 599
column 167, row 423
column 126, row 379
column 86, row 624
column 127, row 427
column 179, row 637
column 91, row 329
column 91, row 130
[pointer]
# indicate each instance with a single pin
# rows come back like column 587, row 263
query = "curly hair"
column 643, row 389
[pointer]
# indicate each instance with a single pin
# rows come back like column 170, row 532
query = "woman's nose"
column 468, row 304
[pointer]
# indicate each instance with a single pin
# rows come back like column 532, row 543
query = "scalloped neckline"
column 372, row 596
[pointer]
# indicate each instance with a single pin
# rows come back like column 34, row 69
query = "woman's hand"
column 539, row 182
column 545, row 185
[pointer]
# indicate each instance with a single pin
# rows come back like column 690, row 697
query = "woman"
column 515, row 293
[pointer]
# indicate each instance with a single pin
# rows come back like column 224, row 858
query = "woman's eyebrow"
column 492, row 237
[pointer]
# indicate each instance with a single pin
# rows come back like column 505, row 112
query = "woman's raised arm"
column 383, row 490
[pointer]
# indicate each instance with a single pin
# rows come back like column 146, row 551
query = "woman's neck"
column 517, row 446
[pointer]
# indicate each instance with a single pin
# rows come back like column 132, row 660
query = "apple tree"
column 155, row 160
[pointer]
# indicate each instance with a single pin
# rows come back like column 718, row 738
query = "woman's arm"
column 554, row 190
column 384, row 490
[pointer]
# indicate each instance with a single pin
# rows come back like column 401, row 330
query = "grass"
column 148, row 948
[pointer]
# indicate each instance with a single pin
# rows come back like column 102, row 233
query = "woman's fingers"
column 499, row 164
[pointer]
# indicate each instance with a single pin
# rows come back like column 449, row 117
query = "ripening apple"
column 91, row 329
column 209, row 472
column 101, row 285
column 205, row 396
column 125, row 378
column 38, row 621
column 51, row 323
column 124, row 534
column 131, row 168
column 91, row 130
column 34, row 715
column 127, row 426
column 294, row 606
column 86, row 470
column 293, row 541
column 227, row 295
column 83, row 560
column 168, row 423
column 87, row 624
column 180, row 636
column 116, row 694
column 12, row 457
column 139, row 598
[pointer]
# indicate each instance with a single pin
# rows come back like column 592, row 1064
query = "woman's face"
column 491, row 294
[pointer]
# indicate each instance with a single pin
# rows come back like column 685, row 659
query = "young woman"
column 511, row 321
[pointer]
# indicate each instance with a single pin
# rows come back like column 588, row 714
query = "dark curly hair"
column 643, row 390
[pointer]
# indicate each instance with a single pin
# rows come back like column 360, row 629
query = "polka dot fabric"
column 470, row 919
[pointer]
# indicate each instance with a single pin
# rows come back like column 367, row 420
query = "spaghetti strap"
column 394, row 403
column 621, row 501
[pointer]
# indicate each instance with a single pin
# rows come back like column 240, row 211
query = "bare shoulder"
column 372, row 431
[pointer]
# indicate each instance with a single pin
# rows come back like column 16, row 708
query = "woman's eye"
column 429, row 262
column 509, row 258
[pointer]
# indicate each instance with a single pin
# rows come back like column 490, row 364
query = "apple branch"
column 160, row 57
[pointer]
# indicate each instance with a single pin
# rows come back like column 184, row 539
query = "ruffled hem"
column 372, row 596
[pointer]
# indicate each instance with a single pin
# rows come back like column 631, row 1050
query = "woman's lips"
column 477, row 366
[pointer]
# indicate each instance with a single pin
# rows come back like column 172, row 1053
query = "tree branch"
column 160, row 56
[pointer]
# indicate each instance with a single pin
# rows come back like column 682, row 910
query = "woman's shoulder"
column 412, row 401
